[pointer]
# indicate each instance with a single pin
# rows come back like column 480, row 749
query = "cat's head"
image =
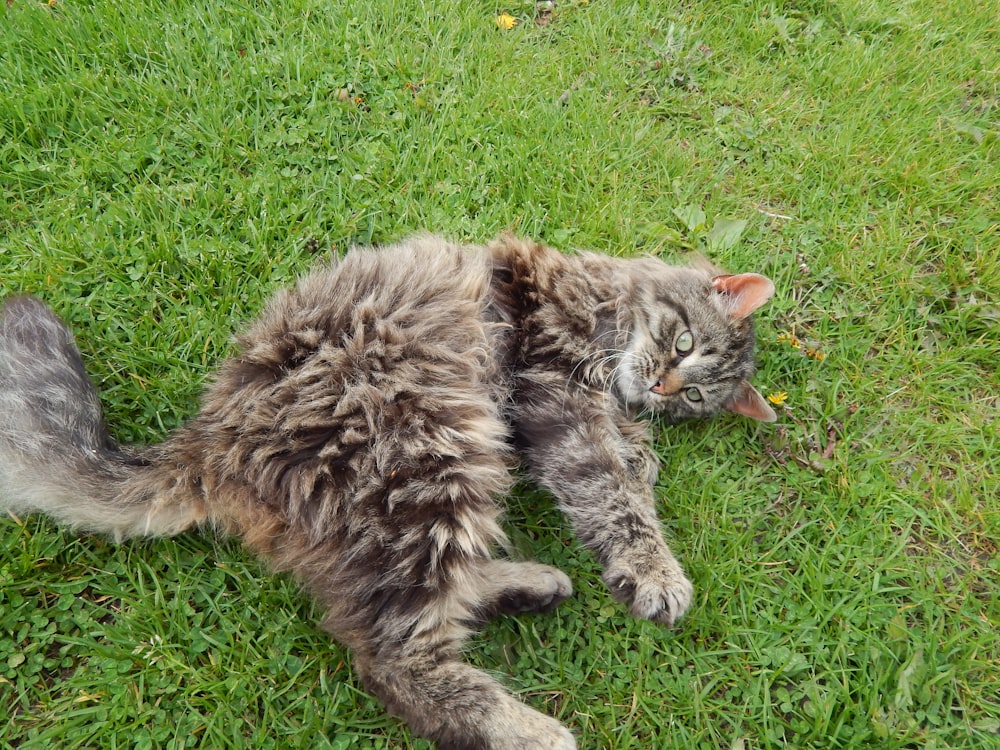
column 691, row 340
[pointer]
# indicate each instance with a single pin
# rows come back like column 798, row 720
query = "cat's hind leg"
column 422, row 681
column 406, row 633
column 410, row 572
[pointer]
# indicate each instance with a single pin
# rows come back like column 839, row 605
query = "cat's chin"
column 643, row 404
column 635, row 402
column 646, row 403
column 632, row 393
column 637, row 398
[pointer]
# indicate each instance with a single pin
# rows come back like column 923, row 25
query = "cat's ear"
column 748, row 402
column 743, row 293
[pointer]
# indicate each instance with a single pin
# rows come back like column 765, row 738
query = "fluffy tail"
column 55, row 454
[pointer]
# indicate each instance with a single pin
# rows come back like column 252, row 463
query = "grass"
column 164, row 166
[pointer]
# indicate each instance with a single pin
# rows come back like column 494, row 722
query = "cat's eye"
column 685, row 343
column 693, row 395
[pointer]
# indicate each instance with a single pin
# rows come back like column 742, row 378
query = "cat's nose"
column 668, row 384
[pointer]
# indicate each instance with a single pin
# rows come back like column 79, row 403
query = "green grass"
column 165, row 165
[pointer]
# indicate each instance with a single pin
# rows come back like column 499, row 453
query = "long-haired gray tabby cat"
column 364, row 437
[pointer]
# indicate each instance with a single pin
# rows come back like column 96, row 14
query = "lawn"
column 165, row 165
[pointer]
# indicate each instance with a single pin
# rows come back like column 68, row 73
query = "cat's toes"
column 662, row 596
column 542, row 588
column 663, row 601
column 552, row 588
column 514, row 726
column 561, row 739
column 552, row 736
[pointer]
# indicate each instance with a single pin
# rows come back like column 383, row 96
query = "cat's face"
column 690, row 351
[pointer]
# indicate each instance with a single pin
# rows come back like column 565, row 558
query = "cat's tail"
column 55, row 454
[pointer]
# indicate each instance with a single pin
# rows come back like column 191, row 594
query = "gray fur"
column 365, row 434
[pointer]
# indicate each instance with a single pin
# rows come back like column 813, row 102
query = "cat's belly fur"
column 358, row 440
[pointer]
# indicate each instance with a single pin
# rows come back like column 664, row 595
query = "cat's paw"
column 662, row 594
column 508, row 724
column 540, row 588
column 536, row 731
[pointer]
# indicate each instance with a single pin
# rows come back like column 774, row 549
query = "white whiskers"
column 613, row 370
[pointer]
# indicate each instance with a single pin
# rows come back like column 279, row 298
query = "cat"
column 365, row 434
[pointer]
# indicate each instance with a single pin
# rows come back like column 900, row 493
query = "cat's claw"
column 663, row 595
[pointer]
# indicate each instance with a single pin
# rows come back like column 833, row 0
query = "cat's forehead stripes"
column 670, row 308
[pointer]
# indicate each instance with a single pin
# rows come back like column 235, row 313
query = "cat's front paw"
column 661, row 594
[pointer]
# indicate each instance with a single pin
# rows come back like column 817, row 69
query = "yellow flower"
column 506, row 21
column 789, row 338
column 778, row 398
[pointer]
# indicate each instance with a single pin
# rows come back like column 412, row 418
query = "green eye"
column 685, row 342
column 693, row 395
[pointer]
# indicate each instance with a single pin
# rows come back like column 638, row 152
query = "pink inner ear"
column 745, row 292
column 748, row 402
